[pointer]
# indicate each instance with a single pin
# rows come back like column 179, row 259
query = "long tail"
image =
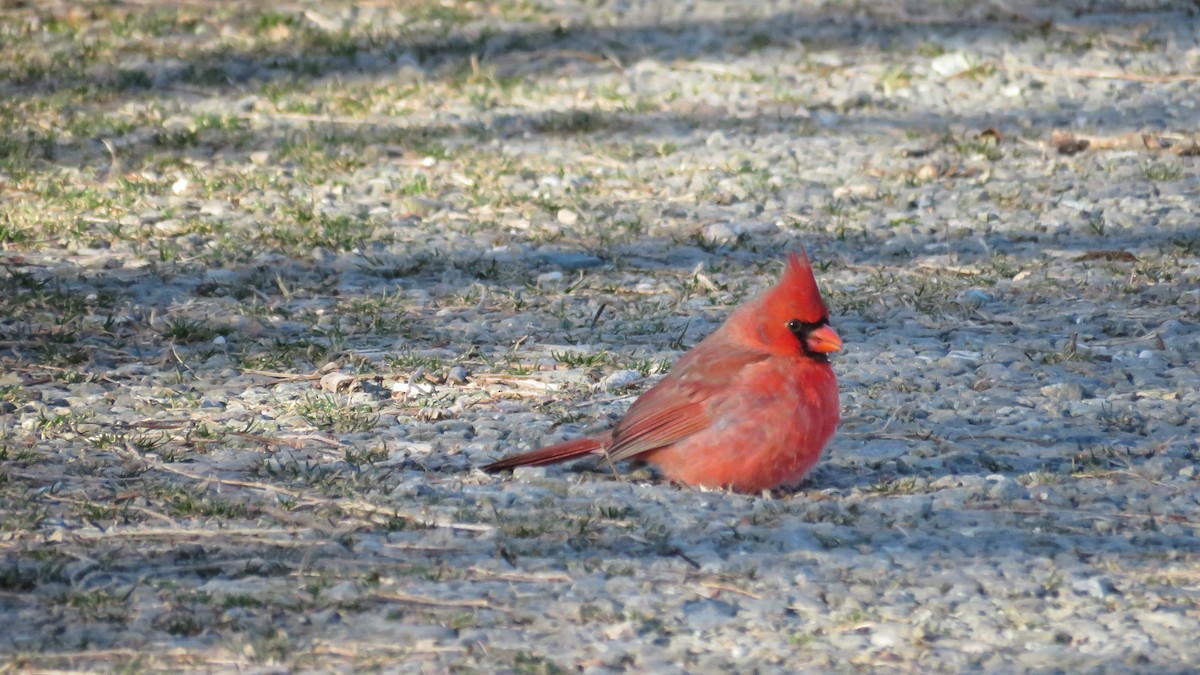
column 553, row 454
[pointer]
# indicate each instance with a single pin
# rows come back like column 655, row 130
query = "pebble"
column 975, row 298
column 569, row 261
column 457, row 375
column 1064, row 391
column 567, row 217
column 621, row 379
column 723, row 232
column 549, row 278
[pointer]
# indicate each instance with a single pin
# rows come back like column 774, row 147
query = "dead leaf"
column 990, row 134
column 1192, row 150
column 1067, row 144
column 339, row 383
column 927, row 172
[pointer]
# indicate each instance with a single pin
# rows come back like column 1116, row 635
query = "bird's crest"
column 797, row 294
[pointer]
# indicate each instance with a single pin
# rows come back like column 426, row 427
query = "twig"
column 732, row 589
column 479, row 574
column 366, row 508
column 288, row 377
column 345, row 120
column 258, row 534
column 294, row 441
column 145, row 424
column 213, row 479
column 1098, row 74
column 1094, row 515
column 290, row 441
column 437, row 602
column 310, row 500
column 356, row 650
column 1129, row 474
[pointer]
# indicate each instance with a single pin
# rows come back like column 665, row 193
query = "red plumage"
column 750, row 408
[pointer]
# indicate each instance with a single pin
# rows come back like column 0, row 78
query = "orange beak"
column 823, row 340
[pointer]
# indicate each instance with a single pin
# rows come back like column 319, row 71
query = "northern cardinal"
column 749, row 408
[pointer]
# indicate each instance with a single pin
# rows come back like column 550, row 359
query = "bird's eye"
column 801, row 329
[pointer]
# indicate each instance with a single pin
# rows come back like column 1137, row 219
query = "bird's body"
column 750, row 408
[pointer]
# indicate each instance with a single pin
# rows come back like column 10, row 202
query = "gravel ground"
column 275, row 279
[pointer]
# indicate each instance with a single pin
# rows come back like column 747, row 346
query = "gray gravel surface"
column 275, row 281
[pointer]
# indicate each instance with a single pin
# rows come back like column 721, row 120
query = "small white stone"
column 549, row 278
column 621, row 379
column 529, row 472
column 346, row 590
column 723, row 232
column 948, row 65
column 567, row 217
column 414, row 389
column 457, row 375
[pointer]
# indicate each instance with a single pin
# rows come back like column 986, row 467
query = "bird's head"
column 792, row 317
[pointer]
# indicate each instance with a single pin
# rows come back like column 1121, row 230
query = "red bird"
column 750, row 408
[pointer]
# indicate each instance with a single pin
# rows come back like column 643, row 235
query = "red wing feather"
column 677, row 407
column 659, row 425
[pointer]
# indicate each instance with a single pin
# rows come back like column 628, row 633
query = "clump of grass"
column 572, row 122
column 1161, row 172
column 299, row 229
column 184, row 330
column 330, row 412
column 575, row 359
